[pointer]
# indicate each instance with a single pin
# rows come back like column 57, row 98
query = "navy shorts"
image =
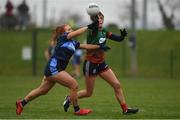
column 54, row 66
column 90, row 68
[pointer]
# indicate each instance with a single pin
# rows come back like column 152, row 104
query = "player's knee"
column 74, row 86
column 117, row 86
column 89, row 94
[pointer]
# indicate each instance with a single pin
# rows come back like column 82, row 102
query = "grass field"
column 156, row 98
column 155, row 94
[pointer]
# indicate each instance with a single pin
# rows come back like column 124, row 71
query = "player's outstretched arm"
column 118, row 38
column 92, row 26
column 76, row 32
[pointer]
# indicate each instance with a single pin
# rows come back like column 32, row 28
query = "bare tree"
column 168, row 8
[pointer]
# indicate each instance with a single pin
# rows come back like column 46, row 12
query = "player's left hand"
column 123, row 32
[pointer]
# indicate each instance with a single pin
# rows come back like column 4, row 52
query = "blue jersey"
column 64, row 49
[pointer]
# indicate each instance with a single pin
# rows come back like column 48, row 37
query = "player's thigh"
column 65, row 79
column 110, row 77
column 90, row 81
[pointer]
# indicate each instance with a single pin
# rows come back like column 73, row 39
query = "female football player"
column 95, row 65
column 55, row 68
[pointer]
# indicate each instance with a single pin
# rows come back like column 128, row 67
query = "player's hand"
column 94, row 25
column 104, row 47
column 94, row 18
column 123, row 32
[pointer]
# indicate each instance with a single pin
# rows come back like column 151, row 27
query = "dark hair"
column 93, row 18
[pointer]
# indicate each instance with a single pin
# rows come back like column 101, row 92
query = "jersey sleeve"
column 114, row 37
column 108, row 33
column 76, row 44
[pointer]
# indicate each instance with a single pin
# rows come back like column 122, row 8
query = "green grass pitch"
column 156, row 98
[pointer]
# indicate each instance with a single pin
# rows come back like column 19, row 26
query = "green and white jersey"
column 97, row 55
column 96, row 38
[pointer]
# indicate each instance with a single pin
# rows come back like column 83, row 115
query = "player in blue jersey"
column 55, row 68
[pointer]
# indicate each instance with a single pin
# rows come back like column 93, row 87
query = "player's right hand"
column 93, row 26
column 94, row 18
